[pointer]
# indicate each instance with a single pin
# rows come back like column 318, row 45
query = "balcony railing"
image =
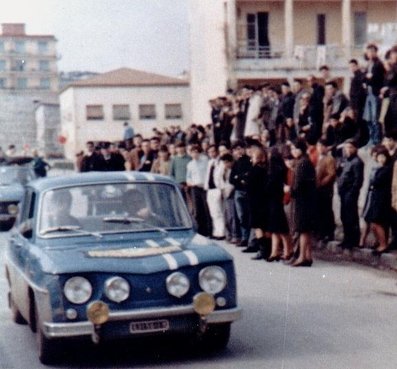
column 305, row 57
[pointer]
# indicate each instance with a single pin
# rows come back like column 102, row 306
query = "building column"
column 289, row 27
column 231, row 34
column 347, row 26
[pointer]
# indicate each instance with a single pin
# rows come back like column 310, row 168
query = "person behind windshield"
column 136, row 206
column 58, row 210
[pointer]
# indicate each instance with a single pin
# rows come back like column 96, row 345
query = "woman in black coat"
column 257, row 201
column 377, row 210
column 277, row 223
column 303, row 193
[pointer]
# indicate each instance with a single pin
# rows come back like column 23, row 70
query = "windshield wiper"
column 66, row 228
column 129, row 220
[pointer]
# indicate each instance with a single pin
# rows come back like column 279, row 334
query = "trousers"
column 214, row 201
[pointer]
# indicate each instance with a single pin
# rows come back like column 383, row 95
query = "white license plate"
column 148, row 326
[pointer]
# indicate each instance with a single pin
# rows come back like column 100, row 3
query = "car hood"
column 12, row 192
column 138, row 256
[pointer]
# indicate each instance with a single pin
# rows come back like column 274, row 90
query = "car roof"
column 81, row 179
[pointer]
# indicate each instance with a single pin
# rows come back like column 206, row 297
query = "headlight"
column 212, row 279
column 12, row 209
column 77, row 290
column 177, row 284
column 117, row 289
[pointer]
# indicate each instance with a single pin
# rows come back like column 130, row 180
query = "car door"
column 19, row 253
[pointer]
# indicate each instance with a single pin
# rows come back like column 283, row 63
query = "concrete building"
column 28, row 77
column 48, row 130
column 235, row 42
column 96, row 108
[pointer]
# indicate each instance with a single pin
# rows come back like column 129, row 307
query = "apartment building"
column 95, row 108
column 28, row 78
column 237, row 42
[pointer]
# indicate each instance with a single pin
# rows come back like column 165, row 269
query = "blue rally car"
column 111, row 255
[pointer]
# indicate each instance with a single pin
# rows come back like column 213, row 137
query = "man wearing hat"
column 351, row 176
column 110, row 161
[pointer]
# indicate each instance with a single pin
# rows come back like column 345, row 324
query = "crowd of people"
column 262, row 173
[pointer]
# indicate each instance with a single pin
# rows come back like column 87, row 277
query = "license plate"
column 148, row 326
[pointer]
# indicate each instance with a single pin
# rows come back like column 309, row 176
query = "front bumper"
column 86, row 328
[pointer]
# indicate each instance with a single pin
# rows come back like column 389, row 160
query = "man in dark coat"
column 91, row 161
column 316, row 108
column 351, row 176
column 286, row 127
column 239, row 179
column 110, row 161
column 357, row 93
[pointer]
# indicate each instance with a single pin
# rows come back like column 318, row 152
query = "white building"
column 96, row 108
column 238, row 42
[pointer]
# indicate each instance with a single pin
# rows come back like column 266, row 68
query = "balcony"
column 275, row 59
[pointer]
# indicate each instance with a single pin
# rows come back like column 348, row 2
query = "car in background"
column 114, row 255
column 14, row 175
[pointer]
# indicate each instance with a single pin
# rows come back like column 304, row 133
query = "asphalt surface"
column 332, row 315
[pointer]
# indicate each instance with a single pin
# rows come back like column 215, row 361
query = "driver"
column 135, row 203
column 59, row 210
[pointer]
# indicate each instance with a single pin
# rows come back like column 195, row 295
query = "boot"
column 253, row 247
column 264, row 245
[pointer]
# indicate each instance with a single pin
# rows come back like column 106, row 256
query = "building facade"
column 28, row 77
column 95, row 109
column 237, row 42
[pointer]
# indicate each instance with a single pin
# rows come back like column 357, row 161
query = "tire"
column 216, row 337
column 47, row 348
column 15, row 313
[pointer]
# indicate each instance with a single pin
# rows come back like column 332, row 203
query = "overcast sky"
column 101, row 35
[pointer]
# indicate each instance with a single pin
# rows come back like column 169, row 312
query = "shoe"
column 219, row 238
column 235, row 241
column 304, row 263
column 250, row 249
column 242, row 243
column 273, row 258
column 379, row 252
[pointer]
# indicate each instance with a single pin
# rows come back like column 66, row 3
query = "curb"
column 332, row 252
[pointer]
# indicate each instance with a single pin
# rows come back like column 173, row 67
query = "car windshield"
column 15, row 174
column 109, row 208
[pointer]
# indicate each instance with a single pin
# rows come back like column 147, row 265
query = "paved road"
column 328, row 316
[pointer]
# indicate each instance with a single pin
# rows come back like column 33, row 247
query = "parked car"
column 13, row 178
column 111, row 255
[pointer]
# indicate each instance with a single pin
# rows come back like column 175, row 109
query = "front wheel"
column 48, row 349
column 216, row 337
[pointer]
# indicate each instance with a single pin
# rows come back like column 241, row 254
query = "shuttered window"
column 121, row 112
column 173, row 111
column 147, row 111
column 94, row 112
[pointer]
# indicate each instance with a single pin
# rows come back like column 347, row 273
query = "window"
column 121, row 112
column 173, row 111
column 258, row 34
column 360, row 28
column 321, row 29
column 45, row 83
column 2, row 65
column 147, row 111
column 2, row 46
column 43, row 46
column 94, row 112
column 19, row 65
column 20, row 46
column 22, row 83
column 44, row 65
column 2, row 83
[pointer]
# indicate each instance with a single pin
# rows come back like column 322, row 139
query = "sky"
column 102, row 35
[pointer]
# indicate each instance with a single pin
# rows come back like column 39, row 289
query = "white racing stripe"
column 130, row 176
column 149, row 177
column 172, row 241
column 193, row 259
column 171, row 261
column 152, row 243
